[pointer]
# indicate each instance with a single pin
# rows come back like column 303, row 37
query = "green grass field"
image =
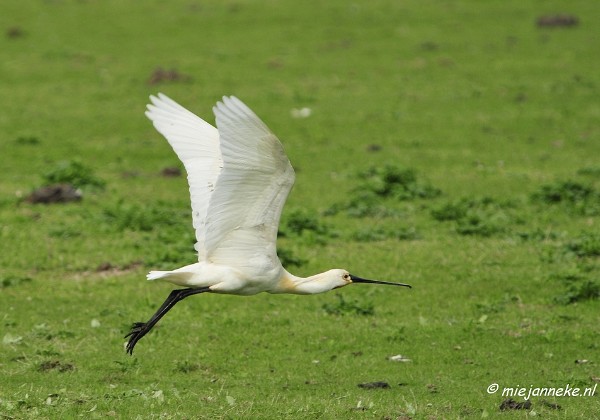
column 452, row 145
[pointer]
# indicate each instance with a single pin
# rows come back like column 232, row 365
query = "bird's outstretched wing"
column 196, row 143
column 244, row 210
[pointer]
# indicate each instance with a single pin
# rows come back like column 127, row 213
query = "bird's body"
column 227, row 280
column 239, row 178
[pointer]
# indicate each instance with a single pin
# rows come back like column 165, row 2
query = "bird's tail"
column 155, row 275
column 180, row 278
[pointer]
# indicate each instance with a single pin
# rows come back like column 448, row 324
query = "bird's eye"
column 346, row 276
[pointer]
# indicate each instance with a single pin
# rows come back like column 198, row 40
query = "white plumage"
column 239, row 178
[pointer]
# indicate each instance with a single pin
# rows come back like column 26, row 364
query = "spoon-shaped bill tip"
column 356, row 279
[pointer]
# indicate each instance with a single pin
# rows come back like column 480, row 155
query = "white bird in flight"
column 239, row 178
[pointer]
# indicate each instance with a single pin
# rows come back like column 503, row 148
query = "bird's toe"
column 136, row 328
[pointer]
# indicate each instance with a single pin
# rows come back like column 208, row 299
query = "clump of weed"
column 582, row 280
column 580, row 287
column 576, row 196
column 27, row 141
column 381, row 234
column 395, row 182
column 362, row 204
column 288, row 258
column 538, row 235
column 185, row 366
column 127, row 216
column 343, row 307
column 300, row 221
column 586, row 245
column 563, row 191
column 306, row 227
column 177, row 247
column 379, row 184
column 157, row 223
column 12, row 281
column 398, row 335
column 75, row 173
column 591, row 171
column 482, row 225
column 583, row 290
column 476, row 216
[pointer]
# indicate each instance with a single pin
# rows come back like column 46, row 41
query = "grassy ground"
column 452, row 145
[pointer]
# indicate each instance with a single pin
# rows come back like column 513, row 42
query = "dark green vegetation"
column 452, row 145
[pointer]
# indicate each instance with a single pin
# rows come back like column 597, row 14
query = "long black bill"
column 356, row 279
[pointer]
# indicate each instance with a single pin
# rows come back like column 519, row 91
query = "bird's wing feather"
column 244, row 210
column 196, row 143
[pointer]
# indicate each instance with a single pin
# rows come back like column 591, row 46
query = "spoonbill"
column 239, row 179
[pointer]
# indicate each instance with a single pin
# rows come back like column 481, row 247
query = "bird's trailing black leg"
column 140, row 329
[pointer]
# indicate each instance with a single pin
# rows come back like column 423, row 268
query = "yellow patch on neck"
column 286, row 284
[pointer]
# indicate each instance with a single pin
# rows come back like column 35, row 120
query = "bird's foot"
column 138, row 330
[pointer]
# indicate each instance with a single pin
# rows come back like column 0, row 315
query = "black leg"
column 140, row 329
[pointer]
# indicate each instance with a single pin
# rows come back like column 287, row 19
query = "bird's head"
column 339, row 278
